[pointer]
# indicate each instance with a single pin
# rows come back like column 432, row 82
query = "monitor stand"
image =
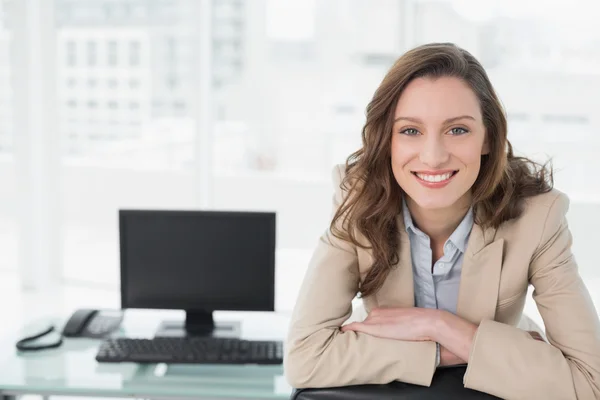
column 199, row 323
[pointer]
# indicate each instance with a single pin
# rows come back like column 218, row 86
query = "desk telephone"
column 92, row 323
column 83, row 323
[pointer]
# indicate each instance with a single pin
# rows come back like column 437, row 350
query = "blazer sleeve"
column 318, row 354
column 505, row 361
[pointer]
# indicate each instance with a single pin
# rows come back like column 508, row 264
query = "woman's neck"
column 439, row 224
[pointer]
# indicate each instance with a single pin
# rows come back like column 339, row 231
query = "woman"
column 440, row 229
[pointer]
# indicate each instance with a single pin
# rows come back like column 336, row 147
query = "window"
column 92, row 56
column 171, row 49
column 572, row 119
column 172, row 82
column 71, row 53
column 112, row 53
column 123, row 153
column 287, row 96
column 134, row 54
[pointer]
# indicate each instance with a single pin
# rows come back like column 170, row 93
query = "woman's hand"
column 420, row 324
column 412, row 323
column 449, row 358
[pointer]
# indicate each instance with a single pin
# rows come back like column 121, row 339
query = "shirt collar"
column 460, row 236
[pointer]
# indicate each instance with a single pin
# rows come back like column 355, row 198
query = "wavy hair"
column 373, row 197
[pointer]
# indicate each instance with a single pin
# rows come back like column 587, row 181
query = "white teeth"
column 435, row 178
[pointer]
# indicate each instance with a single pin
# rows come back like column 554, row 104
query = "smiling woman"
column 436, row 224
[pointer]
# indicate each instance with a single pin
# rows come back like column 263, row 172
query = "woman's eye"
column 458, row 131
column 409, row 131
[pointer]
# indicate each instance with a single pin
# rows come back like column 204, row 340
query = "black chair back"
column 447, row 384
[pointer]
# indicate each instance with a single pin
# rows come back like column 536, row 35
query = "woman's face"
column 437, row 141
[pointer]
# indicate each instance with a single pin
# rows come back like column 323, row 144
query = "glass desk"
column 72, row 370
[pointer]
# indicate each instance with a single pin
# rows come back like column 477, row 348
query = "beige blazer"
column 498, row 266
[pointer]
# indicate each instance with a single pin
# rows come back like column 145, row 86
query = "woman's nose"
column 434, row 153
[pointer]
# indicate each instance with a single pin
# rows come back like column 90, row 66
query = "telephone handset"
column 88, row 323
column 78, row 322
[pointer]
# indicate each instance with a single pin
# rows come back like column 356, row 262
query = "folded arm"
column 319, row 354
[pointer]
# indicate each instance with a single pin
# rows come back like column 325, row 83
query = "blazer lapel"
column 398, row 289
column 480, row 276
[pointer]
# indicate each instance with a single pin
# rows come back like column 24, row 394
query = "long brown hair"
column 373, row 197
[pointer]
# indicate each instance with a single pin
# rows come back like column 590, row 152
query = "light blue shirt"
column 440, row 288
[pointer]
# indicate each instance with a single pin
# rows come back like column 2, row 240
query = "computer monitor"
column 197, row 261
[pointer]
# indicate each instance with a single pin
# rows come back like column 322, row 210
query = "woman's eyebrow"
column 447, row 121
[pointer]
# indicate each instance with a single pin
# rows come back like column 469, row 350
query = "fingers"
column 360, row 327
column 354, row 326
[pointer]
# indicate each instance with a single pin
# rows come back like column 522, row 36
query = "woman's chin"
column 436, row 201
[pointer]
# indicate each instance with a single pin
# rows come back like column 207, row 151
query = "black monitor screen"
column 197, row 260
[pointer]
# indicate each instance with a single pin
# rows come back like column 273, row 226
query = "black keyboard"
column 190, row 350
